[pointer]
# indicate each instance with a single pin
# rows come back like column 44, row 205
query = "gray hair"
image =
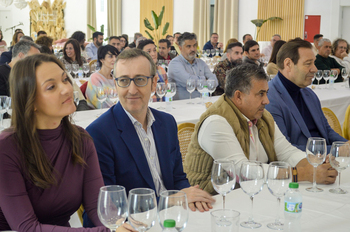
column 139, row 39
column 132, row 54
column 276, row 35
column 240, row 78
column 186, row 36
column 25, row 37
column 322, row 41
column 23, row 46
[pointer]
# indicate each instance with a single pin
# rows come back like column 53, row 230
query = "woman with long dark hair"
column 48, row 166
column 80, row 37
column 272, row 68
column 71, row 53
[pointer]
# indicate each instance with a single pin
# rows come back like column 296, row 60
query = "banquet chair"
column 332, row 120
column 91, row 63
column 83, row 88
column 184, row 132
column 346, row 124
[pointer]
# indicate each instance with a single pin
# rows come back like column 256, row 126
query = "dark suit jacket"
column 289, row 119
column 5, row 57
column 121, row 156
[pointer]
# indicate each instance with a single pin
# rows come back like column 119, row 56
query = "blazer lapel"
column 291, row 105
column 131, row 140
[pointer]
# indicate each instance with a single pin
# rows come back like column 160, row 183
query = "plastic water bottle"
column 169, row 225
column 292, row 208
column 80, row 73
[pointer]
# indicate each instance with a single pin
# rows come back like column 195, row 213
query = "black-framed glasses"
column 139, row 81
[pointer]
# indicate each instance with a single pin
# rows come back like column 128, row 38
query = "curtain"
column 114, row 17
column 201, row 21
column 292, row 13
column 146, row 7
column 91, row 17
column 226, row 19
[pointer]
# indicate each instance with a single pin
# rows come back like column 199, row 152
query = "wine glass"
column 86, row 69
column 339, row 158
column 318, row 76
column 211, row 86
column 142, row 208
column 112, row 95
column 190, row 87
column 223, row 177
column 326, row 75
column 75, row 69
column 68, row 67
column 316, row 149
column 101, row 96
column 161, row 91
column 201, row 88
column 279, row 175
column 151, row 98
column 332, row 78
column 344, row 74
column 3, row 107
column 112, row 206
column 173, row 205
column 251, row 180
column 208, row 52
column 171, row 91
column 9, row 106
column 212, row 51
column 221, row 51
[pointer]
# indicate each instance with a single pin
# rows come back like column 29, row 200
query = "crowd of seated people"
column 134, row 145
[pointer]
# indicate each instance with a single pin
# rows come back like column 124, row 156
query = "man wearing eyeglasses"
column 138, row 146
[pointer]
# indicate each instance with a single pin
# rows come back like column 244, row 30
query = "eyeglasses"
column 139, row 81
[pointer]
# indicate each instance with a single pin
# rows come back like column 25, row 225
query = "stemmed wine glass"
column 332, row 78
column 101, row 96
column 112, row 206
column 171, row 91
column 339, row 158
column 212, row 51
column 112, row 94
column 223, row 177
column 161, row 91
column 211, row 86
column 279, row 175
column 251, row 180
column 201, row 88
column 344, row 74
column 86, row 69
column 190, row 87
column 173, row 205
column 142, row 208
column 326, row 76
column 151, row 98
column 318, row 76
column 9, row 106
column 68, row 68
column 3, row 107
column 75, row 69
column 316, row 149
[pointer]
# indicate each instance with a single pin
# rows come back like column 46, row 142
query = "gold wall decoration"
column 47, row 17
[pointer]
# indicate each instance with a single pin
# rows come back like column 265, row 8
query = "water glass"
column 3, row 107
column 251, row 179
column 279, row 175
column 142, row 208
column 173, row 205
column 112, row 94
column 190, row 87
column 211, row 86
column 332, row 78
column 202, row 88
column 86, row 69
column 224, row 220
column 326, row 75
column 161, row 89
column 101, row 96
column 316, row 149
column 344, row 74
column 223, row 177
column 75, row 69
column 318, row 76
column 112, row 206
column 339, row 158
column 68, row 68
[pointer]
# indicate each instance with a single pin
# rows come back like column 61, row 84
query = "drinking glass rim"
column 133, row 191
column 317, row 138
column 118, row 188
column 237, row 213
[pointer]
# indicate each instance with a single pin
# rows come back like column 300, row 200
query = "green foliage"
column 154, row 31
column 260, row 22
column 102, row 29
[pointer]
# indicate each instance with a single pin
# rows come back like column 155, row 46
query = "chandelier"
column 5, row 3
column 20, row 4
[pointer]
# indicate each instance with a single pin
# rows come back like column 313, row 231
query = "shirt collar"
column 194, row 62
column 149, row 117
column 253, row 121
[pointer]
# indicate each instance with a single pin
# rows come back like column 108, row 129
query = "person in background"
column 187, row 66
column 137, row 146
column 15, row 38
column 71, row 53
column 266, row 52
column 272, row 68
column 136, row 36
column 252, row 53
column 124, row 41
column 171, row 39
column 139, row 40
column 317, row 38
column 6, row 57
column 80, row 37
column 107, row 56
column 234, row 58
column 21, row 50
column 246, row 38
column 176, row 43
column 213, row 43
column 2, row 41
column 340, row 52
column 115, row 42
column 46, row 44
column 325, row 62
column 41, row 33
column 91, row 48
column 230, row 41
column 49, row 158
column 164, row 50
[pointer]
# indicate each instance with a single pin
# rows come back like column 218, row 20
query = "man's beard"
column 98, row 43
column 236, row 62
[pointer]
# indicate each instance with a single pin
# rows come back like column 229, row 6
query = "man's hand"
column 220, row 45
column 325, row 174
column 125, row 228
column 198, row 198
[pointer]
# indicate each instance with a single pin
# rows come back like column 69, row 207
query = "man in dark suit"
column 296, row 108
column 138, row 146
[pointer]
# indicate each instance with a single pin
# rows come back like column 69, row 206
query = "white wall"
column 323, row 8
column 183, row 16
column 131, row 17
column 248, row 10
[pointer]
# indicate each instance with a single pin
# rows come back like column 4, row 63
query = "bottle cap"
column 293, row 185
column 169, row 223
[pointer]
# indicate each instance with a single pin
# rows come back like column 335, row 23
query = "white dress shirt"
column 217, row 138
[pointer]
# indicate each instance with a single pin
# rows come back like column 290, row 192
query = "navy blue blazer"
column 121, row 156
column 289, row 119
